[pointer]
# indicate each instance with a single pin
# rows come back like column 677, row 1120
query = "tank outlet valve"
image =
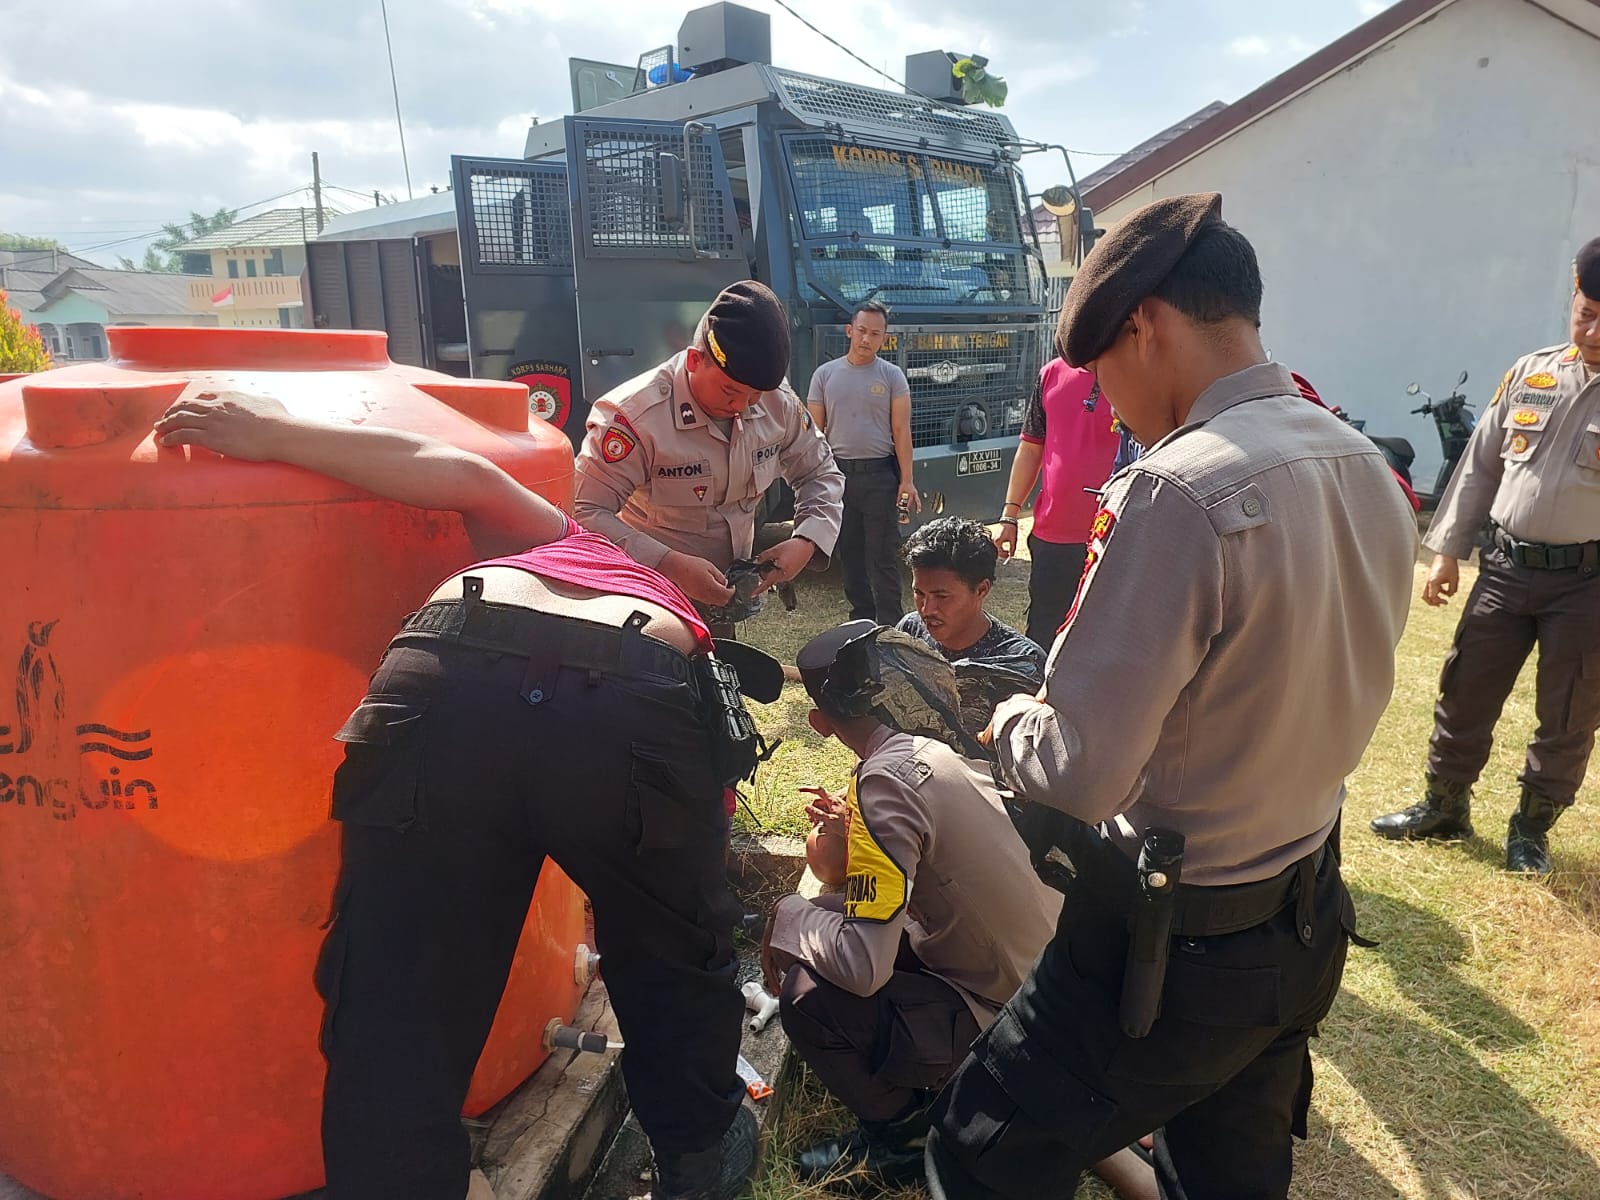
column 761, row 1002
column 585, row 965
column 564, row 1037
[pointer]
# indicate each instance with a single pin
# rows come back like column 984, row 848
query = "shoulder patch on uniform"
column 1571, row 355
column 617, row 442
column 1100, row 527
column 912, row 771
column 1501, row 390
column 1541, row 381
column 875, row 888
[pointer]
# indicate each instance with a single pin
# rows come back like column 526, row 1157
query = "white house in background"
column 1416, row 192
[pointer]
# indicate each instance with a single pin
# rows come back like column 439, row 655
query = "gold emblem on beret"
column 717, row 352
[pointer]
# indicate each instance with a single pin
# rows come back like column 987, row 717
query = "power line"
column 40, row 256
column 394, row 83
column 837, row 44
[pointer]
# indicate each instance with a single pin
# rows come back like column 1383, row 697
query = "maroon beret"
column 1124, row 268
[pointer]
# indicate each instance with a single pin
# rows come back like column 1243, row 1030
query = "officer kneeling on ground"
column 1532, row 469
column 460, row 779
column 677, row 460
column 1249, row 581
column 886, row 984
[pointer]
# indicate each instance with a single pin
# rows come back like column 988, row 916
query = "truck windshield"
column 907, row 227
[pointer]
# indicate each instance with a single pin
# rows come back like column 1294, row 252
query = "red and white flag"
column 223, row 298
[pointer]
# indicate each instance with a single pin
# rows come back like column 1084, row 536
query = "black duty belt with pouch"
column 736, row 671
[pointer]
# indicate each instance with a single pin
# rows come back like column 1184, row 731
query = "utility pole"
column 316, row 188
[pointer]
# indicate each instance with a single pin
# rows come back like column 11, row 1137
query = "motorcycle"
column 1453, row 419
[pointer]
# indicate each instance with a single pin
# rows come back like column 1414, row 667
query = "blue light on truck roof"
column 658, row 74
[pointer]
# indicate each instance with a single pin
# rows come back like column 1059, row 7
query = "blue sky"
column 118, row 120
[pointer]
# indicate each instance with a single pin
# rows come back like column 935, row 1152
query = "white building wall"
column 1417, row 214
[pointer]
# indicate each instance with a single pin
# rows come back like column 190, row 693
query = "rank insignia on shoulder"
column 1571, row 355
column 1525, row 416
column 1542, row 380
column 1501, row 390
column 686, row 413
column 617, row 444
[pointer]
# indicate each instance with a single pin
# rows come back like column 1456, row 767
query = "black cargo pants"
column 1510, row 610
column 869, row 539
column 1224, row 1076
column 455, row 788
column 1052, row 586
column 875, row 1053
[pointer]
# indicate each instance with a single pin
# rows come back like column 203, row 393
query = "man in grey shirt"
column 862, row 404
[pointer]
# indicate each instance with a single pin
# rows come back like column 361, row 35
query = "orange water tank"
column 180, row 636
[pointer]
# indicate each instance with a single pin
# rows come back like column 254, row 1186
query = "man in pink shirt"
column 1068, row 431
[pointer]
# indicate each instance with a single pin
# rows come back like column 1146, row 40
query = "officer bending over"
column 677, row 460
column 1258, row 544
column 460, row 779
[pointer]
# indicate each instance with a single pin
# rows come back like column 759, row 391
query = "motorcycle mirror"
column 1462, row 380
column 1059, row 201
column 1412, row 389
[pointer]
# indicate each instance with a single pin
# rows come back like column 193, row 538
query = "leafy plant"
column 21, row 348
column 978, row 84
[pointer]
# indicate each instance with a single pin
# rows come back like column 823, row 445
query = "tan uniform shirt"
column 1533, row 463
column 657, row 474
column 1232, row 644
column 931, row 854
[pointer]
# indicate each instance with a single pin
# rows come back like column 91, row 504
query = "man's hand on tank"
column 791, row 557
column 1444, row 577
column 697, row 578
column 236, row 424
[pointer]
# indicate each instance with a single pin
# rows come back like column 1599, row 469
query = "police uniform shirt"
column 933, row 855
column 1231, row 648
column 1533, row 462
column 856, row 404
column 656, row 473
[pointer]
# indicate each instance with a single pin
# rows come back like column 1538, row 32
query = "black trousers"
column 1510, row 610
column 869, row 539
column 1052, row 584
column 874, row 1053
column 1224, row 1075
column 453, row 791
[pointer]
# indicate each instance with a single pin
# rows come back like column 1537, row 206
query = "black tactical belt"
column 584, row 645
column 1199, row 911
column 1542, row 557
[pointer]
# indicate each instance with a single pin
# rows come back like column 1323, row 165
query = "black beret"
column 1586, row 270
column 816, row 657
column 1124, row 268
column 747, row 333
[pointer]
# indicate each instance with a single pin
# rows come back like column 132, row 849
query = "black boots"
column 719, row 1173
column 878, row 1154
column 1527, row 840
column 1445, row 812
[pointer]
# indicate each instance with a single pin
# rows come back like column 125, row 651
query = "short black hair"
column 871, row 306
column 954, row 544
column 1217, row 279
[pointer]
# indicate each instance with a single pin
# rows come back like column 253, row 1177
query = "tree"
column 163, row 255
column 21, row 348
column 154, row 260
column 21, row 241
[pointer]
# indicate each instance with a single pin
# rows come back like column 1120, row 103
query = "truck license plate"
column 979, row 462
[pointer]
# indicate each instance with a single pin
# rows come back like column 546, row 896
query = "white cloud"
column 1254, row 46
column 1371, row 8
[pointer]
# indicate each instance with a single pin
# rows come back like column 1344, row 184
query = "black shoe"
column 1528, row 846
column 878, row 1154
column 1425, row 820
column 719, row 1173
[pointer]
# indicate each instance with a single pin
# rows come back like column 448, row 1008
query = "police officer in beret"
column 1257, row 543
column 676, row 460
column 1532, row 469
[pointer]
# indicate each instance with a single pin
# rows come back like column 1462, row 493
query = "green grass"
column 1462, row 1059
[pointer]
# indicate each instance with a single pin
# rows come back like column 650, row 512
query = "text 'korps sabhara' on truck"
column 590, row 259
